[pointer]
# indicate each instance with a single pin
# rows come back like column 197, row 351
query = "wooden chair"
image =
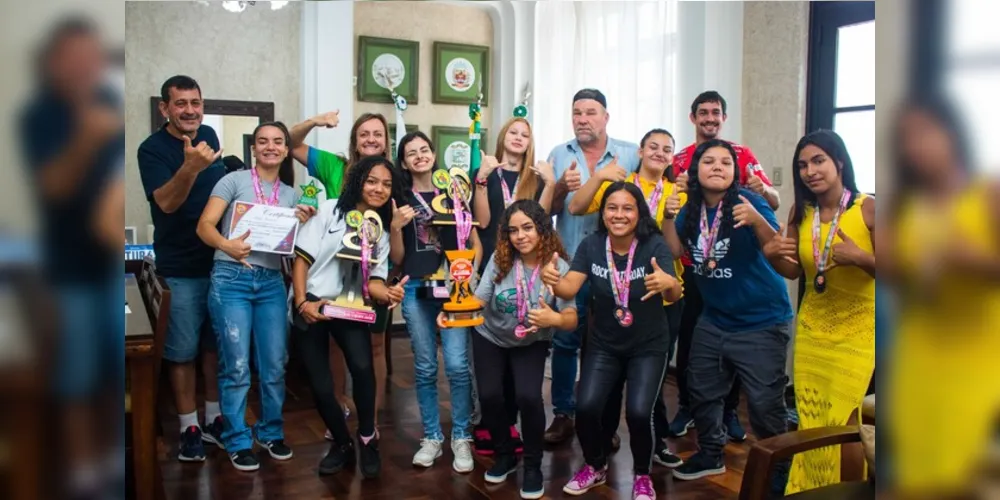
column 768, row 452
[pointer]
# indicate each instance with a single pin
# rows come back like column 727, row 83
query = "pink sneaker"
column 642, row 488
column 585, row 480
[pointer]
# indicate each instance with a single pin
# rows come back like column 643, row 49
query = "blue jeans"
column 244, row 301
column 421, row 322
column 91, row 351
column 188, row 314
column 565, row 352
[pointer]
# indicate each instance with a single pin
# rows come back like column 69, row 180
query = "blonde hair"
column 528, row 185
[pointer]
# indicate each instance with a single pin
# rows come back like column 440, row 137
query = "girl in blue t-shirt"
column 746, row 323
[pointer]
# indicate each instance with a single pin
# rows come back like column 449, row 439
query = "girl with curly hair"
column 746, row 323
column 520, row 317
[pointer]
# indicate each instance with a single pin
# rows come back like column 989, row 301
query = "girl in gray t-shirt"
column 520, row 317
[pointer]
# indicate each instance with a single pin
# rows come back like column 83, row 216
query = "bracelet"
column 482, row 182
column 298, row 308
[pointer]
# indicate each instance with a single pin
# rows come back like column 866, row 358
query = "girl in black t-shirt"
column 631, row 334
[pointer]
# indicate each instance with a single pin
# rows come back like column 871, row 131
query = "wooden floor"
column 401, row 431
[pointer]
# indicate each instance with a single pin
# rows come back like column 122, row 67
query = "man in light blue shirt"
column 574, row 162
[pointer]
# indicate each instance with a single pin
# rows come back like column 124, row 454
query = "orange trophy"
column 463, row 309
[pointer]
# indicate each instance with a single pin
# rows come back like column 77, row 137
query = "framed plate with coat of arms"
column 452, row 146
column 459, row 71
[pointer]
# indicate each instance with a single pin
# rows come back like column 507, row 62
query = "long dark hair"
column 696, row 198
column 286, row 173
column 834, row 147
column 646, row 226
column 668, row 173
column 405, row 175
column 548, row 239
column 350, row 196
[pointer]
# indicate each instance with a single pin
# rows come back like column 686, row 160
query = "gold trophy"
column 358, row 248
column 451, row 208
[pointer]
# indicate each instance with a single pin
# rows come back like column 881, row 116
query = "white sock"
column 211, row 411
column 189, row 419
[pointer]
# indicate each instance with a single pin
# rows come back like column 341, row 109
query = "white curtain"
column 627, row 50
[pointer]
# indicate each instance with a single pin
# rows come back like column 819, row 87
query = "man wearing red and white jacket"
column 708, row 113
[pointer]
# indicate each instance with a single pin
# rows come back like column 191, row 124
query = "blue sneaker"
column 213, row 433
column 733, row 427
column 793, row 417
column 192, row 449
column 682, row 422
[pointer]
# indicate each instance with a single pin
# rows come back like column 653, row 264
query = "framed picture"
column 130, row 235
column 384, row 63
column 392, row 139
column 452, row 146
column 458, row 72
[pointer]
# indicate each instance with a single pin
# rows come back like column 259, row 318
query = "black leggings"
column 314, row 349
column 601, row 373
column 527, row 367
column 613, row 411
column 693, row 305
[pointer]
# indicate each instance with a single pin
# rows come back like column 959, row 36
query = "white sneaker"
column 462, row 448
column 430, row 450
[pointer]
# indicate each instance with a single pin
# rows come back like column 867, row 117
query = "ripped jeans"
column 244, row 302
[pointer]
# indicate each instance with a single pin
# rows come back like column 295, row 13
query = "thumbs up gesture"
column 613, row 172
column 488, row 165
column 782, row 246
column 401, row 216
column 201, row 156
column 329, row 119
column 396, row 292
column 745, row 214
column 238, row 249
column 571, row 178
column 657, row 282
column 544, row 316
column 681, row 184
column 847, row 252
column 673, row 205
column 550, row 273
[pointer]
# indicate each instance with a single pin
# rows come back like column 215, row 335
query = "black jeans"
column 314, row 349
column 600, row 375
column 613, row 411
column 526, row 366
column 693, row 305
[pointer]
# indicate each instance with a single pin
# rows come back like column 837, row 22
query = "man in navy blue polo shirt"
column 180, row 166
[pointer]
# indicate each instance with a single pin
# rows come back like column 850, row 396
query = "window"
column 841, row 92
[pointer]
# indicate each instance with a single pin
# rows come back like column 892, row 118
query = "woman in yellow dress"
column 943, row 387
column 830, row 238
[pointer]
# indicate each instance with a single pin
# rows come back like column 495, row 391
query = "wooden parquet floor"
column 400, row 429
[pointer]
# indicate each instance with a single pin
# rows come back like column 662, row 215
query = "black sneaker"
column 213, row 433
column 699, row 466
column 277, row 449
column 733, row 427
column 681, row 423
column 532, row 483
column 503, row 466
column 244, row 460
column 371, row 463
column 192, row 450
column 338, row 459
column 665, row 457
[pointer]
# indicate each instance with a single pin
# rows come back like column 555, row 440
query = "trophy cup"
column 463, row 309
column 358, row 246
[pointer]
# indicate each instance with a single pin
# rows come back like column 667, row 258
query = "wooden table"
column 140, row 356
column 854, row 490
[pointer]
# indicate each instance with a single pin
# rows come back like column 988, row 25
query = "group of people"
column 652, row 247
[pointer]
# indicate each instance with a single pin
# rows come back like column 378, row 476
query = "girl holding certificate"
column 621, row 264
column 514, row 338
column 247, row 297
column 319, row 275
column 830, row 238
column 418, row 246
column 746, row 323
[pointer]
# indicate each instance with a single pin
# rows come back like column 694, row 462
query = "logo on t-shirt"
column 721, row 250
column 506, row 301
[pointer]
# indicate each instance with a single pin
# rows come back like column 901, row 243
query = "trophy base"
column 463, row 314
column 360, row 315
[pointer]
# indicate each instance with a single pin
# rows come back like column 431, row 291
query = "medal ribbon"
column 366, row 252
column 821, row 259
column 508, row 198
column 654, row 197
column 524, row 297
column 463, row 219
column 620, row 287
column 259, row 192
column 709, row 235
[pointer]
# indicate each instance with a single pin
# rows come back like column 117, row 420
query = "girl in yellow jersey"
column 943, row 387
column 830, row 233
column 654, row 178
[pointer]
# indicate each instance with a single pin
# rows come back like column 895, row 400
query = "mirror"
column 233, row 122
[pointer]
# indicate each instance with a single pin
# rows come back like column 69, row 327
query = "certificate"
column 272, row 229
